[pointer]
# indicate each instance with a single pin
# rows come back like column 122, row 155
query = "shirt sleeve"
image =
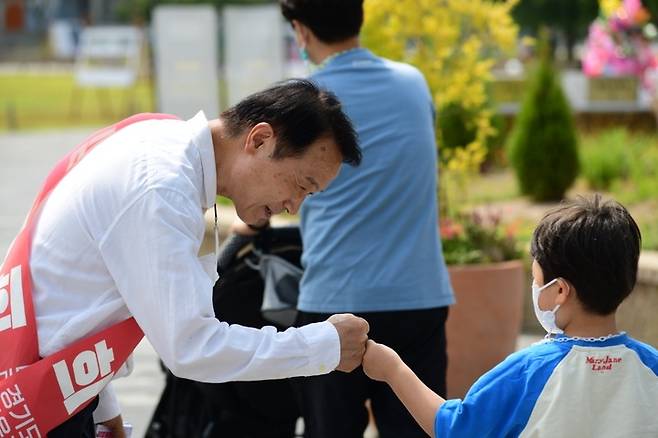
column 500, row 402
column 108, row 405
column 151, row 251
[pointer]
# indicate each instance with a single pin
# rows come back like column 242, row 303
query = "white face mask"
column 311, row 67
column 545, row 317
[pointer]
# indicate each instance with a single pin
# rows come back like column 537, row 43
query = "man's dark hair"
column 594, row 245
column 300, row 113
column 331, row 21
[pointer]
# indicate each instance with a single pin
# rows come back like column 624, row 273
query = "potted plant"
column 456, row 45
column 488, row 279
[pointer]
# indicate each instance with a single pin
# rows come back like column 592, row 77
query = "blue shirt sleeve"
column 648, row 355
column 499, row 404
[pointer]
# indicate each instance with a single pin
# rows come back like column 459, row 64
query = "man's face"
column 272, row 186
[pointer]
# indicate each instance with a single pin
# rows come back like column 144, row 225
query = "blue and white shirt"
column 562, row 387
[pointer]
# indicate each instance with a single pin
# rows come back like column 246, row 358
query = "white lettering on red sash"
column 88, row 367
column 602, row 364
column 11, row 371
column 11, row 300
column 16, row 407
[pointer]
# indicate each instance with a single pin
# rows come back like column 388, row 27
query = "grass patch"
column 649, row 229
column 622, row 163
column 38, row 101
column 491, row 187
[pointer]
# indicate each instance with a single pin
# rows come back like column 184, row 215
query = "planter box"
column 484, row 324
column 637, row 314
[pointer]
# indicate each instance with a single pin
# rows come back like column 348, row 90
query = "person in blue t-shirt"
column 371, row 242
column 585, row 379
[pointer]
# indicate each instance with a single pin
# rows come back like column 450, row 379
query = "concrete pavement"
column 25, row 159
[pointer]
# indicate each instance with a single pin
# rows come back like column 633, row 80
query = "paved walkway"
column 25, row 159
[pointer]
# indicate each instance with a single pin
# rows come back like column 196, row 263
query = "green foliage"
column 644, row 173
column 606, row 159
column 455, row 129
column 455, row 126
column 569, row 18
column 652, row 6
column 543, row 147
column 649, row 230
column 623, row 163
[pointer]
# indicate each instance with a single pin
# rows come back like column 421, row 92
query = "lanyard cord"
column 216, row 234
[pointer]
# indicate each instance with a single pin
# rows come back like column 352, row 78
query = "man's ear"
column 260, row 139
column 301, row 33
column 565, row 291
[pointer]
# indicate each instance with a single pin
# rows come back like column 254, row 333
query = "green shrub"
column 455, row 131
column 606, row 158
column 628, row 161
column 644, row 171
column 649, row 229
column 496, row 143
column 453, row 120
column 543, row 148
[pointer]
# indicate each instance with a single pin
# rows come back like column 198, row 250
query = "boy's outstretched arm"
column 383, row 364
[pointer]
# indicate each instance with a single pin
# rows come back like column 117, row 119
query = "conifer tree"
column 543, row 147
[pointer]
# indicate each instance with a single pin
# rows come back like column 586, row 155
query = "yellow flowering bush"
column 455, row 44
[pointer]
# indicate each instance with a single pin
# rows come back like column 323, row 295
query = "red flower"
column 450, row 229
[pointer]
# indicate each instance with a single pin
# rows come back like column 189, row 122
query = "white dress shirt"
column 120, row 236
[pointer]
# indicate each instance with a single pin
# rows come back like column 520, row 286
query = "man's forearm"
column 420, row 401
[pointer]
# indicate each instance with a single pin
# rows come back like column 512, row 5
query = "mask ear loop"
column 558, row 281
column 216, row 235
column 555, row 280
column 557, row 306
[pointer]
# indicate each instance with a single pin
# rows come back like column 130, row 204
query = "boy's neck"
column 589, row 325
column 322, row 51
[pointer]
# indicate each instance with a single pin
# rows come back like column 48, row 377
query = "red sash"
column 46, row 392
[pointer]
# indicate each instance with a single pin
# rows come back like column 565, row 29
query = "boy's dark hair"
column 300, row 113
column 594, row 245
column 331, row 21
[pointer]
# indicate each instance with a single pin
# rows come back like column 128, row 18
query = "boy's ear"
column 260, row 137
column 301, row 33
column 565, row 291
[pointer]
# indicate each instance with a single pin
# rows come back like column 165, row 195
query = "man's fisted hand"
column 353, row 334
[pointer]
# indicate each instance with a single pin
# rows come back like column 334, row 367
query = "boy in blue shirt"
column 585, row 379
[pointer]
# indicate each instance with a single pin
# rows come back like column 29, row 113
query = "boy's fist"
column 380, row 362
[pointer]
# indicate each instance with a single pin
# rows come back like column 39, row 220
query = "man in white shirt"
column 119, row 237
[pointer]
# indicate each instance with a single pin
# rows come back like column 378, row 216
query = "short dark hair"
column 594, row 245
column 300, row 113
column 331, row 21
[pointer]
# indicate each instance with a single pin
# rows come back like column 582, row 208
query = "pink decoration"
column 617, row 46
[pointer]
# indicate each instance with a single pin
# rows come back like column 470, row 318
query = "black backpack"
column 264, row 409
